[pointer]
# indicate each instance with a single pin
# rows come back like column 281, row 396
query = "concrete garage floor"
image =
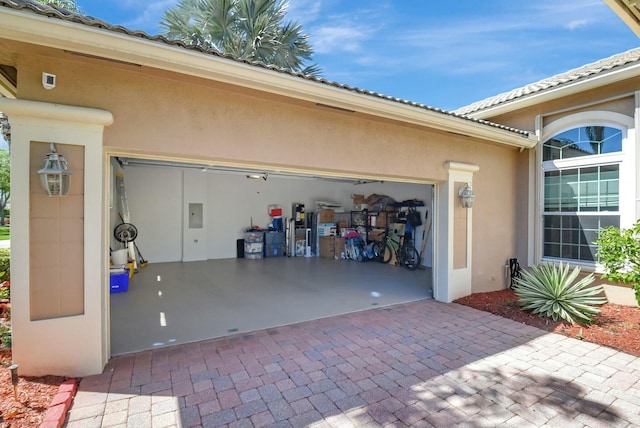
column 172, row 303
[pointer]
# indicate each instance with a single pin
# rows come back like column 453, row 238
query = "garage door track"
column 424, row 363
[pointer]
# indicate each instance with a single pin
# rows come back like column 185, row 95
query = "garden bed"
column 617, row 326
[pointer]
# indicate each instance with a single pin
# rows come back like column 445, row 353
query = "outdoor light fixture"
column 466, row 196
column 55, row 176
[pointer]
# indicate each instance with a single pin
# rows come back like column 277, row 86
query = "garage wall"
column 164, row 115
column 233, row 202
column 155, row 207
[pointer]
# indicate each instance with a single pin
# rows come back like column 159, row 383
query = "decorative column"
column 58, row 250
column 454, row 237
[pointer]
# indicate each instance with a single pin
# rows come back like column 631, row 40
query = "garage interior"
column 202, row 281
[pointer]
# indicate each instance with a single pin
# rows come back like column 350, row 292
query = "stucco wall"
column 157, row 113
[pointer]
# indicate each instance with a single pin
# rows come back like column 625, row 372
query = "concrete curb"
column 59, row 406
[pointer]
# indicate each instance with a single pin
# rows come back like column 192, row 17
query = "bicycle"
column 404, row 250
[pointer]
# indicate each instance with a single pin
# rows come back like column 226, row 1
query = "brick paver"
column 417, row 364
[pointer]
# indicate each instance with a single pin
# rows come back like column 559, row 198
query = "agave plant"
column 549, row 290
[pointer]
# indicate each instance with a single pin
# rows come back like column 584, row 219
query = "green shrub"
column 619, row 253
column 5, row 335
column 5, row 264
column 549, row 290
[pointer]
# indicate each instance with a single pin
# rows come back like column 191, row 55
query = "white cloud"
column 577, row 23
column 146, row 15
column 332, row 39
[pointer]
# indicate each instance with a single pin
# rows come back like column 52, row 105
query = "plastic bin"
column 119, row 281
column 276, row 250
column 253, row 237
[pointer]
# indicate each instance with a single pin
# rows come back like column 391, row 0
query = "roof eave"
column 625, row 12
column 560, row 91
column 40, row 30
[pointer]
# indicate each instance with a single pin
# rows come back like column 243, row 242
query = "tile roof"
column 65, row 15
column 583, row 73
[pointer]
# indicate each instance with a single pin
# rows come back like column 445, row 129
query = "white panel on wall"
column 155, row 205
column 194, row 203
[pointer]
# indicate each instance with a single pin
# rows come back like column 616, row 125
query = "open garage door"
column 191, row 219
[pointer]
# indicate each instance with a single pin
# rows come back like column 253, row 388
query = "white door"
column 194, row 224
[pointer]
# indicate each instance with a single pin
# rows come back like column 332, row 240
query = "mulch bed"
column 617, row 326
column 34, row 395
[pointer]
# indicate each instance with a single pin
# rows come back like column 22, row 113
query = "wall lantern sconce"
column 55, row 176
column 466, row 196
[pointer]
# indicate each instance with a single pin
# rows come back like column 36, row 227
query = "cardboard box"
column 360, row 207
column 326, row 215
column 338, row 246
column 376, row 235
column 327, row 247
column 357, row 199
column 327, row 229
column 384, row 219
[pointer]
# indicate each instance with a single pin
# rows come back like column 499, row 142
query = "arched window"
column 581, row 189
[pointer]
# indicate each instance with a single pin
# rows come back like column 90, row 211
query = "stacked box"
column 327, row 229
column 253, row 245
column 338, row 246
column 326, row 215
column 253, row 256
column 254, row 237
column 376, row 234
column 327, row 247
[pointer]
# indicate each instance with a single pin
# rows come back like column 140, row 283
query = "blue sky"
column 445, row 54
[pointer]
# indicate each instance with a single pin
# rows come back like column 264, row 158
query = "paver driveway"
column 424, row 363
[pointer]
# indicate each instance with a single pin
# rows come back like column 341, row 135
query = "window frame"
column 626, row 160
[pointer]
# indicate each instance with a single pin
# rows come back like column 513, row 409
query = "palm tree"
column 70, row 5
column 253, row 30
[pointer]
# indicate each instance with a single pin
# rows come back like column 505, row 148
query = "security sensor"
column 48, row 80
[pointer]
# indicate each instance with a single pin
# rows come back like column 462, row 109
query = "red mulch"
column 616, row 326
column 34, row 395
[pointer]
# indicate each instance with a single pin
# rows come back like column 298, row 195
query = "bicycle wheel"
column 384, row 252
column 410, row 258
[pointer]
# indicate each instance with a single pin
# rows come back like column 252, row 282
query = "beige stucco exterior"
column 163, row 114
column 614, row 103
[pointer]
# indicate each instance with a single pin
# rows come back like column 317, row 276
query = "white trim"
column 58, row 112
column 592, row 117
column 535, row 199
column 450, row 283
column 462, row 167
